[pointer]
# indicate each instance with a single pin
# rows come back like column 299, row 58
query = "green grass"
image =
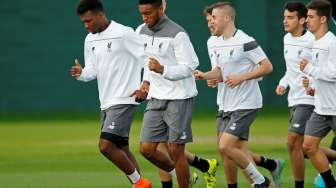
column 64, row 153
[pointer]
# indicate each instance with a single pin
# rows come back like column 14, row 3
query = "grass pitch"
column 64, row 153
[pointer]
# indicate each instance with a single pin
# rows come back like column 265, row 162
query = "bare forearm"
column 264, row 69
column 214, row 74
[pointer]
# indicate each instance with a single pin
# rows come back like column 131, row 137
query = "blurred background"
column 40, row 40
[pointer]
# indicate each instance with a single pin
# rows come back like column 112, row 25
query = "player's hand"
column 212, row 83
column 198, row 75
column 233, row 80
column 310, row 91
column 141, row 94
column 303, row 64
column 155, row 66
column 145, row 87
column 280, row 90
column 305, row 82
column 76, row 70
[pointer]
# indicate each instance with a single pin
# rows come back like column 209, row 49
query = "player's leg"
column 153, row 132
column 228, row 148
column 237, row 131
column 294, row 143
column 131, row 157
column 112, row 151
column 299, row 116
column 165, row 177
column 230, row 168
column 158, row 158
column 274, row 166
column 317, row 128
column 207, row 166
column 199, row 163
column 178, row 116
column 330, row 153
column 116, row 122
column 267, row 163
column 333, row 144
column 181, row 164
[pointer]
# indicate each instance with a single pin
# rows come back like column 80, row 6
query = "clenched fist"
column 76, row 70
column 155, row 66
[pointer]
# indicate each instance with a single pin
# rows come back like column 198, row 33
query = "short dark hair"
column 223, row 5
column 156, row 3
column 207, row 10
column 89, row 5
column 299, row 7
column 322, row 7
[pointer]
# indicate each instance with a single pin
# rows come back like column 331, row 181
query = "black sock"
column 299, row 184
column 269, row 164
column 200, row 164
column 232, row 186
column 330, row 160
column 167, row 184
column 333, row 147
column 333, row 144
column 328, row 178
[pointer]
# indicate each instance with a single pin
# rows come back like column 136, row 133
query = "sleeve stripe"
column 250, row 46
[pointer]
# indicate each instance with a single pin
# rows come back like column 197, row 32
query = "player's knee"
column 292, row 146
column 176, row 150
column 224, row 149
column 104, row 147
column 294, row 143
column 108, row 142
column 147, row 151
column 309, row 148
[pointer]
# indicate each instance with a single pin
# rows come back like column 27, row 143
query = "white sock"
column 173, row 173
column 254, row 174
column 134, row 177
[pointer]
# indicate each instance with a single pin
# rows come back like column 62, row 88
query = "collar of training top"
column 160, row 24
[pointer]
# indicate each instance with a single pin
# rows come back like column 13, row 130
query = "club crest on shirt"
column 160, row 46
column 93, row 49
column 317, row 56
column 231, row 53
column 299, row 53
column 286, row 51
column 109, row 46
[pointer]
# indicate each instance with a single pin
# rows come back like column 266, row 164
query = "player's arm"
column 214, row 74
column 212, row 83
column 325, row 73
column 87, row 73
column 283, row 85
column 186, row 57
column 257, row 56
column 135, row 45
